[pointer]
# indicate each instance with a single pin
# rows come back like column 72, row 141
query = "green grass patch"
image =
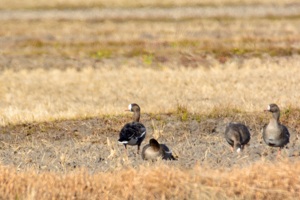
column 101, row 54
column 148, row 59
column 182, row 112
column 160, row 52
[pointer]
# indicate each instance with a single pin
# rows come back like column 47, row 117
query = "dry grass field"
column 260, row 181
column 69, row 69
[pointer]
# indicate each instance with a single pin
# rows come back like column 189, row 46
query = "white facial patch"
column 268, row 108
column 238, row 150
column 129, row 107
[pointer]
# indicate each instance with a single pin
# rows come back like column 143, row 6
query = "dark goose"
column 237, row 135
column 133, row 133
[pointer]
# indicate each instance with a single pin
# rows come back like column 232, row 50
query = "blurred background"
column 62, row 59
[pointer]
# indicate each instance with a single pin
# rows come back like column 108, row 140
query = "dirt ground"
column 92, row 144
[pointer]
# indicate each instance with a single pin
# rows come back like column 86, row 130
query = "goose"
column 133, row 133
column 274, row 133
column 237, row 135
column 154, row 151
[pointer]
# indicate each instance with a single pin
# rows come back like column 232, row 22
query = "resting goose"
column 275, row 134
column 237, row 135
column 154, row 151
column 133, row 133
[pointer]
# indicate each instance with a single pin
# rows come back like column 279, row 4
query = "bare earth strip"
column 161, row 42
column 155, row 13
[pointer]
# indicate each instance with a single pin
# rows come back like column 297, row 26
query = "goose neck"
column 276, row 116
column 136, row 116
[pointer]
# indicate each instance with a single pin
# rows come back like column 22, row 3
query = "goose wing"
column 132, row 130
column 167, row 153
column 285, row 133
column 245, row 134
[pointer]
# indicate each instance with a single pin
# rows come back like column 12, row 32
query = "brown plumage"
column 274, row 133
column 237, row 135
column 154, row 151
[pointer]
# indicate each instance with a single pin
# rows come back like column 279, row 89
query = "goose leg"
column 138, row 148
column 125, row 149
column 279, row 151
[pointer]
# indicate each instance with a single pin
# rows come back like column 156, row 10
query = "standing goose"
column 133, row 133
column 154, row 151
column 275, row 134
column 237, row 135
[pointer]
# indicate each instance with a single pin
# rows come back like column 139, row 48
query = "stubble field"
column 68, row 74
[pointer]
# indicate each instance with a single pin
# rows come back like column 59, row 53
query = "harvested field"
column 69, row 69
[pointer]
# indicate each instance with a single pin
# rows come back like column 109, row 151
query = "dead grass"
column 165, row 66
column 187, row 42
column 148, row 62
column 41, row 95
column 260, row 181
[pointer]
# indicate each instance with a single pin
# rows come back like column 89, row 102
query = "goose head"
column 135, row 108
column 274, row 109
column 154, row 144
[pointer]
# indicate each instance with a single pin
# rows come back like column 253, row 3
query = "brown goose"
column 133, row 133
column 275, row 134
column 237, row 135
column 154, row 151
